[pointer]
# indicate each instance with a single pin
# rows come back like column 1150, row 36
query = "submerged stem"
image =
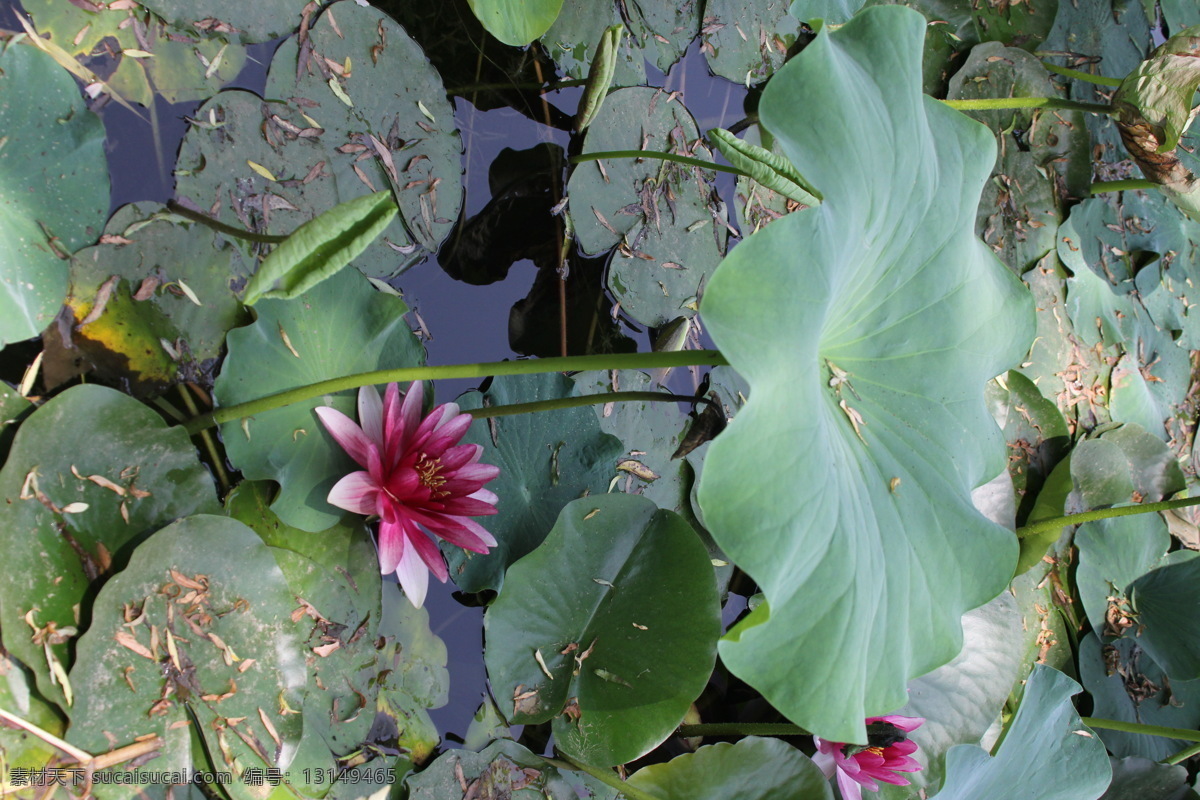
column 1128, row 184
column 1138, row 727
column 1104, row 513
column 1099, row 80
column 221, row 227
column 1001, row 103
column 683, row 358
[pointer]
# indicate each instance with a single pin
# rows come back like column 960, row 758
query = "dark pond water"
column 466, row 323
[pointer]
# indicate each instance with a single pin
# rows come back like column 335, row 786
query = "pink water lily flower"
column 887, row 753
column 418, row 480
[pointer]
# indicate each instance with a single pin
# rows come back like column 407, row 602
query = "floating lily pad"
column 1167, row 628
column 747, row 40
column 334, row 576
column 751, row 769
column 1117, row 465
column 150, row 58
column 546, row 460
column 18, row 695
column 152, row 303
column 416, row 148
column 608, row 629
column 212, row 639
column 1036, row 433
column 53, row 187
column 339, row 327
column 243, row 22
column 881, row 316
column 1105, row 38
column 1047, row 751
column 650, row 432
column 13, row 409
column 1128, row 686
column 415, row 677
column 90, row 473
column 664, row 215
column 658, row 31
column 503, row 770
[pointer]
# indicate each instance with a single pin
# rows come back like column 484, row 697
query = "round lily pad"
column 90, row 474
column 53, row 187
column 608, row 629
column 340, row 327
column 194, row 631
column 152, row 302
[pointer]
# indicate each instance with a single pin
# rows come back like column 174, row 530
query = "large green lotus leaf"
column 143, row 327
column 503, row 770
column 339, row 327
column 1024, row 25
column 1137, row 778
column 546, row 460
column 516, row 22
column 1167, row 626
column 1104, row 37
column 412, row 123
column 196, row 624
column 608, row 629
column 1047, row 752
column 89, row 473
column 1128, row 686
column 751, row 769
column 334, row 576
column 250, row 22
column 1164, row 286
column 845, row 481
column 53, row 187
column 179, row 69
column 747, row 40
column 960, row 700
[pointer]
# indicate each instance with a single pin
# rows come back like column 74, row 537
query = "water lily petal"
column 429, row 552
column 850, row 789
column 355, row 492
column 370, row 414
column 391, row 545
column 412, row 574
column 459, row 531
column 346, row 433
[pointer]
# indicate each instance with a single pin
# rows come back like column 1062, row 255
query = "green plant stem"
column 682, row 358
column 206, row 437
column 1122, row 186
column 603, row 775
column 221, row 227
column 582, row 400
column 1104, row 513
column 1000, row 103
column 1138, row 727
column 1081, row 76
column 1182, row 755
column 692, row 162
column 741, row 729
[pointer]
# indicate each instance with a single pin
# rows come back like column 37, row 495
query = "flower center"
column 429, row 472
